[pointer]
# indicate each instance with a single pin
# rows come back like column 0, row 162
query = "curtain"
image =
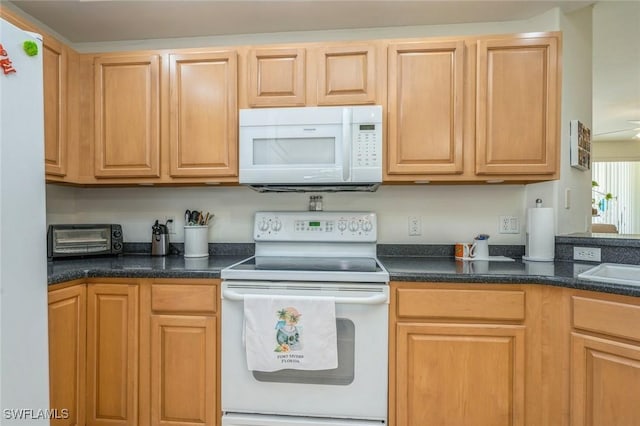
column 621, row 179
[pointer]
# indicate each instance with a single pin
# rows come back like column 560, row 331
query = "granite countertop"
column 401, row 268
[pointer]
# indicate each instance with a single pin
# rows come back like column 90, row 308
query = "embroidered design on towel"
column 288, row 330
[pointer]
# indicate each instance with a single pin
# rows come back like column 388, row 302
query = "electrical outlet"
column 591, row 254
column 509, row 225
column 415, row 226
column 171, row 226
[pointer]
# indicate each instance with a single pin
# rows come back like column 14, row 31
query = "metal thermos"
column 159, row 239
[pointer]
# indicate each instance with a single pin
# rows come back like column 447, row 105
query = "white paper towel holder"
column 540, row 243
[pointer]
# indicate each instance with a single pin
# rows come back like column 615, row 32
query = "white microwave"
column 311, row 148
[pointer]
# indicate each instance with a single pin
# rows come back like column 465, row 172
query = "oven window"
column 294, row 151
column 341, row 376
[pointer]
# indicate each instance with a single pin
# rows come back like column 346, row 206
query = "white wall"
column 576, row 104
column 449, row 213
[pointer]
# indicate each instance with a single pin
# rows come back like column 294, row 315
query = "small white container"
column 196, row 241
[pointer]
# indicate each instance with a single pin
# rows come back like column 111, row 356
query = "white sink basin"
column 613, row 273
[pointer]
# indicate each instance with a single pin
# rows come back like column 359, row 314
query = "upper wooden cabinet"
column 54, row 59
column 425, row 108
column 346, row 75
column 277, row 77
column 517, row 128
column 127, row 109
column 313, row 74
column 474, row 109
column 203, row 123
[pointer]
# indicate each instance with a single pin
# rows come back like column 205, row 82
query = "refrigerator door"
column 24, row 365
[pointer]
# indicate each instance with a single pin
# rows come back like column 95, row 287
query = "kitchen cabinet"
column 313, row 74
column 517, row 106
column 180, row 367
column 346, row 74
column 277, row 77
column 127, row 116
column 464, row 354
column 54, row 59
column 474, row 109
column 67, row 352
column 605, row 361
column 203, row 123
column 112, row 353
column 425, row 108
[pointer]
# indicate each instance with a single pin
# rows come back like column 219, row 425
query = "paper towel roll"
column 540, row 235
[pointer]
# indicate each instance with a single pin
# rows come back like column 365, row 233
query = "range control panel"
column 315, row 226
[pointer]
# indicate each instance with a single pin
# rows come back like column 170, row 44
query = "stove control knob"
column 366, row 226
column 276, row 225
column 263, row 225
column 342, row 225
column 353, row 225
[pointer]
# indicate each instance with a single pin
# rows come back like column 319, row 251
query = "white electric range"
column 311, row 254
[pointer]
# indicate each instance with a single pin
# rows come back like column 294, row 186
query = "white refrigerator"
column 24, row 369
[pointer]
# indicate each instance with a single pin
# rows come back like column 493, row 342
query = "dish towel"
column 290, row 332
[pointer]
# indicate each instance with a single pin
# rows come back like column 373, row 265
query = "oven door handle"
column 376, row 299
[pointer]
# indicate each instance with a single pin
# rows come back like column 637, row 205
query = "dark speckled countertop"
column 401, row 268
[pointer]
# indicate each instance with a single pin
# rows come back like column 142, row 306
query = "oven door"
column 357, row 389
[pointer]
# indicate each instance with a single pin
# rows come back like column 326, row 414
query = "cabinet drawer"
column 183, row 298
column 461, row 304
column 602, row 316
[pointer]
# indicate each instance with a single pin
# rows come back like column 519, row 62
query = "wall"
column 449, row 213
column 571, row 194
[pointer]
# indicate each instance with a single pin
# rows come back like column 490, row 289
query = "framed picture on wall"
column 580, row 145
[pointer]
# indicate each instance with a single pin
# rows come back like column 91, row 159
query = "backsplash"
column 613, row 248
column 447, row 213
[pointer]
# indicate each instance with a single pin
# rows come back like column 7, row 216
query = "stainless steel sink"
column 613, row 273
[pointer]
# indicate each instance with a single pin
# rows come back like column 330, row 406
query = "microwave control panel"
column 315, row 226
column 367, row 146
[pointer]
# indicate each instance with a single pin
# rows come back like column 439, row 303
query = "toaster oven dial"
column 117, row 246
column 117, row 233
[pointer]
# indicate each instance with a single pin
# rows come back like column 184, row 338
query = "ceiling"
column 616, row 31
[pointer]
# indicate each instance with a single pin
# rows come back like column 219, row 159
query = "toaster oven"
column 84, row 240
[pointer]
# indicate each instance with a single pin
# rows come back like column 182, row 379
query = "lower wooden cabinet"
column 456, row 374
column 605, row 382
column 135, row 352
column 112, row 354
column 182, row 357
column 67, row 353
column 464, row 354
column 605, row 360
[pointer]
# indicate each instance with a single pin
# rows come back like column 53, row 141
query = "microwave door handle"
column 346, row 144
column 376, row 299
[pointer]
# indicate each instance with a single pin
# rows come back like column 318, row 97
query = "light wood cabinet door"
column 425, row 108
column 203, row 123
column 517, row 106
column 605, row 382
column 112, row 354
column 54, row 60
column 456, row 374
column 347, row 75
column 277, row 77
column 183, row 370
column 127, row 124
column 67, row 353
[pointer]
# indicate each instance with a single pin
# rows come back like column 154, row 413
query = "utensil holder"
column 196, row 241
